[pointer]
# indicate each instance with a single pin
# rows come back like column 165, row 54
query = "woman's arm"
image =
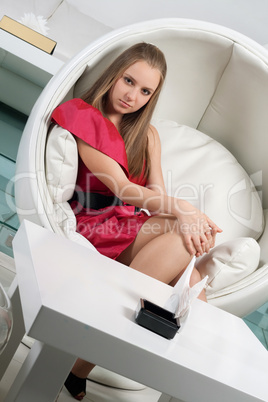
column 112, row 175
column 155, row 180
column 193, row 224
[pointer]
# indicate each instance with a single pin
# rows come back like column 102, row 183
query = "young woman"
column 120, row 172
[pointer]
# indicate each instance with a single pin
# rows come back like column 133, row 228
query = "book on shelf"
column 27, row 34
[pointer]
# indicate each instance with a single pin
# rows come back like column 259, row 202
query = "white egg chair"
column 213, row 125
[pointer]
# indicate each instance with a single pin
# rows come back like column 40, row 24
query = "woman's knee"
column 195, row 277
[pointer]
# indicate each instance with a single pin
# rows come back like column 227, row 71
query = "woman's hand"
column 198, row 230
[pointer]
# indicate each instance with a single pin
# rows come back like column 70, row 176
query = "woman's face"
column 134, row 89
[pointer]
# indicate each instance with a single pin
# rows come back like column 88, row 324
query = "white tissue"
column 183, row 295
column 37, row 23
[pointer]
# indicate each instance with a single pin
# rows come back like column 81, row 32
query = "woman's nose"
column 132, row 94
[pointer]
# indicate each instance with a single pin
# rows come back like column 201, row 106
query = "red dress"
column 111, row 229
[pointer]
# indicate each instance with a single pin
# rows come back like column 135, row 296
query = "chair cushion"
column 228, row 263
column 61, row 164
column 200, row 170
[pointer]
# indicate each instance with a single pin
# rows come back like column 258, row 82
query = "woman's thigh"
column 159, row 251
column 154, row 227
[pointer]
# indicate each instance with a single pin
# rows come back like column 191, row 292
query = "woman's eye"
column 146, row 92
column 128, row 80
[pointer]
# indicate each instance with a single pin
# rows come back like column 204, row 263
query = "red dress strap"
column 86, row 122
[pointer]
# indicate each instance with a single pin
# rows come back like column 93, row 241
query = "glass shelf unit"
column 24, row 72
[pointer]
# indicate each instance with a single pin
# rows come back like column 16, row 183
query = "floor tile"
column 64, row 396
column 266, row 337
column 259, row 319
column 258, row 332
column 21, row 353
column 264, row 322
column 9, row 377
column 254, row 317
column 263, row 309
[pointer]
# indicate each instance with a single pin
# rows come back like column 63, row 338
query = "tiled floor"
column 258, row 323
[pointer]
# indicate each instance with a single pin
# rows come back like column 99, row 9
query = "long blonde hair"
column 134, row 126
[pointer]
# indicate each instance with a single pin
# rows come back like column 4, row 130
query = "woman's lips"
column 124, row 104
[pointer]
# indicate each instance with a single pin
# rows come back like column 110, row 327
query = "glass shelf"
column 9, row 221
column 7, row 234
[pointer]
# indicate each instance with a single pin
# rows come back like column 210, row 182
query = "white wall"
column 250, row 17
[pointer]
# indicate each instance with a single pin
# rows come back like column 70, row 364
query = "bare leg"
column 82, row 368
column 159, row 251
column 163, row 258
column 77, row 379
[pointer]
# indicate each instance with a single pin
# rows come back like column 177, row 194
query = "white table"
column 79, row 303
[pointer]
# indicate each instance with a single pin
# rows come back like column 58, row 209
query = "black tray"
column 157, row 319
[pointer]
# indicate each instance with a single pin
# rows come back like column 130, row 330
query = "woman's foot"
column 76, row 386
